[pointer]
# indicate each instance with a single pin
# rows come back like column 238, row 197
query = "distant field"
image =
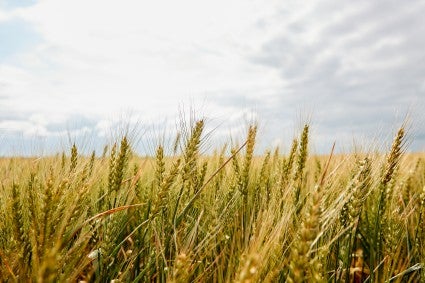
column 229, row 217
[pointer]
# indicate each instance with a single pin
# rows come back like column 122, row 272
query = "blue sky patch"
column 16, row 36
column 12, row 4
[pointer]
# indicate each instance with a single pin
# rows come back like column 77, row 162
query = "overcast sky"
column 70, row 70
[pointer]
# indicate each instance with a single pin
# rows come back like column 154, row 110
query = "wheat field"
column 230, row 216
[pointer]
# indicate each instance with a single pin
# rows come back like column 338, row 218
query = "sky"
column 81, row 71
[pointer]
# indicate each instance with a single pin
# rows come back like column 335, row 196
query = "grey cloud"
column 8, row 115
column 384, row 42
column 72, row 123
column 54, row 137
column 359, row 99
column 230, row 97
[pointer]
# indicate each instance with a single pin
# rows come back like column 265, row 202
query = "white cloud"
column 227, row 59
column 3, row 16
column 6, row 15
column 107, row 56
column 27, row 128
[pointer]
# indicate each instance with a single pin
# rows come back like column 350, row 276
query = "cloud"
column 359, row 65
column 107, row 58
column 353, row 67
